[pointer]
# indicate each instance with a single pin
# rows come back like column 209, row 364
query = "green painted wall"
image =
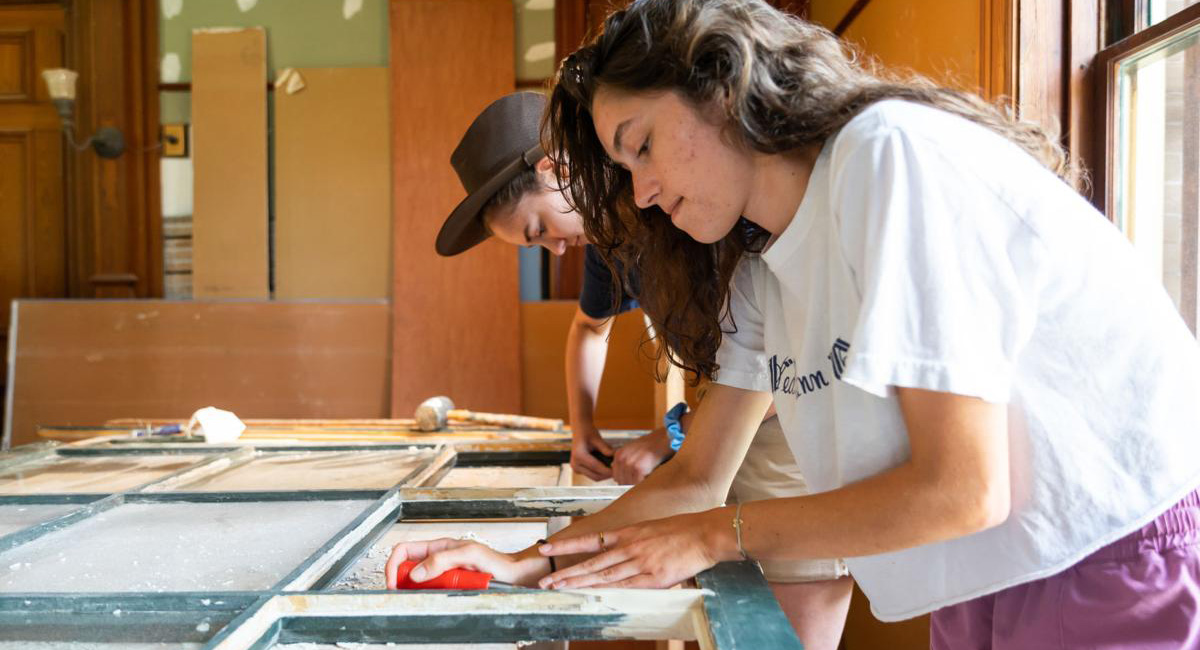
column 300, row 33
column 314, row 33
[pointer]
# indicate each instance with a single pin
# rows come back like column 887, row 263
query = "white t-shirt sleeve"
column 942, row 264
column 742, row 359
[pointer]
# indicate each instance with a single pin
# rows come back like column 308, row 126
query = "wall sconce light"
column 107, row 141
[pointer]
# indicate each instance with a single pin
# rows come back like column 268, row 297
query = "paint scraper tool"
column 452, row 579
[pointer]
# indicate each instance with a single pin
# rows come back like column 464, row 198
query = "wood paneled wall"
column 456, row 321
column 33, row 255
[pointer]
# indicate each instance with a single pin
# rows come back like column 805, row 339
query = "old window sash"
column 1124, row 185
column 731, row 607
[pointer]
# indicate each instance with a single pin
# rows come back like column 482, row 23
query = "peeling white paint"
column 246, row 5
column 290, row 80
column 352, row 7
column 172, row 8
column 170, row 68
column 539, row 52
column 539, row 5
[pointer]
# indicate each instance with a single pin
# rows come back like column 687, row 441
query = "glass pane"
column 501, row 477
column 1156, row 152
column 19, row 517
column 177, row 547
column 93, row 474
column 316, row 471
column 506, row 536
column 1156, row 11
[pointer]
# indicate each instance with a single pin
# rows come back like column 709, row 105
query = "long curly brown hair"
column 782, row 84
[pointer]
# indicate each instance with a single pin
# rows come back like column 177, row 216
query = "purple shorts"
column 1141, row 591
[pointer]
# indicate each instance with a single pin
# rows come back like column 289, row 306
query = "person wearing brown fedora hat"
column 512, row 194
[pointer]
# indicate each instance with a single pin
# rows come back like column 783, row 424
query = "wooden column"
column 456, row 320
column 114, row 223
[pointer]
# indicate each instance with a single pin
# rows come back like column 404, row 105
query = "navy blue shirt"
column 596, row 298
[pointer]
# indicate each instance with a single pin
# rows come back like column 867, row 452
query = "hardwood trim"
column 1120, row 20
column 998, row 63
column 186, row 87
column 23, row 138
column 148, row 167
column 1181, row 21
column 1040, row 74
column 1104, row 72
column 1085, row 29
column 24, row 40
column 114, row 279
column 114, row 212
column 848, row 19
column 570, row 28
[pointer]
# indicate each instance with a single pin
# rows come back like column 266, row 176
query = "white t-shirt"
column 929, row 252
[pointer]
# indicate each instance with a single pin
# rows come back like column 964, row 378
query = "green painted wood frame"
column 734, row 608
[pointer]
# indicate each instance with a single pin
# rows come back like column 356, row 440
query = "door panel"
column 32, row 216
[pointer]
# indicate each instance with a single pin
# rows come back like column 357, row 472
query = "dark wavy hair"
column 780, row 84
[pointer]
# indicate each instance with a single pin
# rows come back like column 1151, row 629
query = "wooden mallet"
column 435, row 412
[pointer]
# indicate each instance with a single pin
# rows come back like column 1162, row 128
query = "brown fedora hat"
column 501, row 143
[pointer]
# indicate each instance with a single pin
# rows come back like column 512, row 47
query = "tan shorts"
column 769, row 471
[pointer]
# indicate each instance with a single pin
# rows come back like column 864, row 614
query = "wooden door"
column 456, row 321
column 32, row 216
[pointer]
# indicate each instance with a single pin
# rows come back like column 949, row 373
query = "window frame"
column 1104, row 182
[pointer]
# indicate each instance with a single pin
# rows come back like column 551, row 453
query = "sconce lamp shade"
column 60, row 82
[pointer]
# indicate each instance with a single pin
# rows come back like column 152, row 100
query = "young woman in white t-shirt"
column 998, row 408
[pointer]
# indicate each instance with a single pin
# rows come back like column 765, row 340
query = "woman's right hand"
column 585, row 438
column 440, row 555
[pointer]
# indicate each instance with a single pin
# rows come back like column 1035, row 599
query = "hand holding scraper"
column 452, row 579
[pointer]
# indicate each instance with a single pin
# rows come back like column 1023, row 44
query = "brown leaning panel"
column 456, row 321
column 229, row 122
column 332, row 185
column 84, row 362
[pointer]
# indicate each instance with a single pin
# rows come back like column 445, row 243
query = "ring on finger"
column 603, row 546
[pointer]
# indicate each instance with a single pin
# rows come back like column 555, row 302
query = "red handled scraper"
column 452, row 579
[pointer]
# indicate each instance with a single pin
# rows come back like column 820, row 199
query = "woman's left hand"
column 656, row 553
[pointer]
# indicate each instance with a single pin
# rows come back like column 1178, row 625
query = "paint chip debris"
column 246, row 5
column 350, row 8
